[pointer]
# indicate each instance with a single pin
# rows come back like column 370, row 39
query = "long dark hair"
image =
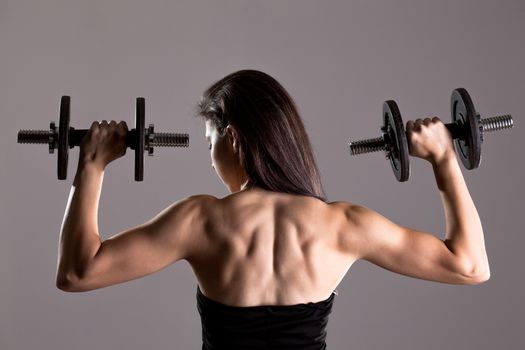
column 275, row 150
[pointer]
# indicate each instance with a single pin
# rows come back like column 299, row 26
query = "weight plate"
column 140, row 138
column 396, row 141
column 468, row 146
column 63, row 138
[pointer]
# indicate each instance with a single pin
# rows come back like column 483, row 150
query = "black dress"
column 276, row 327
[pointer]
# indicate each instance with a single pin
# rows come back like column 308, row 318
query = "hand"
column 429, row 139
column 104, row 143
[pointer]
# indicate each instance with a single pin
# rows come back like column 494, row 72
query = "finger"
column 410, row 125
column 411, row 139
column 113, row 126
column 122, row 128
column 123, row 125
column 104, row 122
column 417, row 125
column 436, row 120
column 427, row 121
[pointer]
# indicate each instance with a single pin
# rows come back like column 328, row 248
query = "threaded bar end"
column 162, row 139
column 367, row 146
column 497, row 123
column 33, row 136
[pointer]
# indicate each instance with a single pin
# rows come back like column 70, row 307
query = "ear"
column 233, row 136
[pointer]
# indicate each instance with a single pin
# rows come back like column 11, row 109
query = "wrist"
column 446, row 159
column 87, row 162
column 446, row 171
column 87, row 168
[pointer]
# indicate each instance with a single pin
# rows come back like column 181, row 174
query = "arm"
column 459, row 259
column 464, row 233
column 86, row 263
column 79, row 237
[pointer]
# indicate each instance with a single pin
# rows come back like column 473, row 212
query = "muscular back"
column 264, row 248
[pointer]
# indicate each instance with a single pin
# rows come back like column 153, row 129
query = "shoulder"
column 364, row 230
column 354, row 214
column 353, row 221
column 197, row 203
column 190, row 212
column 189, row 219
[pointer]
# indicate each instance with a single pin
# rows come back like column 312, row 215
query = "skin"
column 257, row 247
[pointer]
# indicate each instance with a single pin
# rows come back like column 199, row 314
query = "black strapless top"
column 300, row 326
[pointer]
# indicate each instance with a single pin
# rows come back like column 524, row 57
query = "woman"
column 269, row 256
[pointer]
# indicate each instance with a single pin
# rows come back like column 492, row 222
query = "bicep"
column 146, row 248
column 401, row 249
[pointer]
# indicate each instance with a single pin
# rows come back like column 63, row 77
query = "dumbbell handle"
column 76, row 136
column 379, row 143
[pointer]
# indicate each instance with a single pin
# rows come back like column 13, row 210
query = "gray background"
column 340, row 60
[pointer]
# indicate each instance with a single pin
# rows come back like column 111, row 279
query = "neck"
column 249, row 185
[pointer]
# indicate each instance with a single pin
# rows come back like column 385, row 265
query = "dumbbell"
column 467, row 130
column 138, row 139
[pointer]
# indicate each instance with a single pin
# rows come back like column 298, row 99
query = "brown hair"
column 275, row 150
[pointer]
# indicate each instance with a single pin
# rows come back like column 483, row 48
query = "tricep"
column 370, row 236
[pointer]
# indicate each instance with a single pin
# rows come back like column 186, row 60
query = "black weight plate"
column 140, row 138
column 395, row 137
column 468, row 146
column 63, row 138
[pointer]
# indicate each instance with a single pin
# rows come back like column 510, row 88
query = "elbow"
column 64, row 284
column 480, row 278
column 69, row 283
column 474, row 273
column 477, row 275
column 73, row 278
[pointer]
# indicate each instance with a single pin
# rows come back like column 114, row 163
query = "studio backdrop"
column 340, row 60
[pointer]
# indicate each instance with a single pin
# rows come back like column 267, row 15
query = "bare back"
column 267, row 248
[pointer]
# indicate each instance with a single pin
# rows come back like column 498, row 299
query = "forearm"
column 79, row 236
column 464, row 232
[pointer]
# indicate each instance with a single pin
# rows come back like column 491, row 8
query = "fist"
column 429, row 139
column 104, row 143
